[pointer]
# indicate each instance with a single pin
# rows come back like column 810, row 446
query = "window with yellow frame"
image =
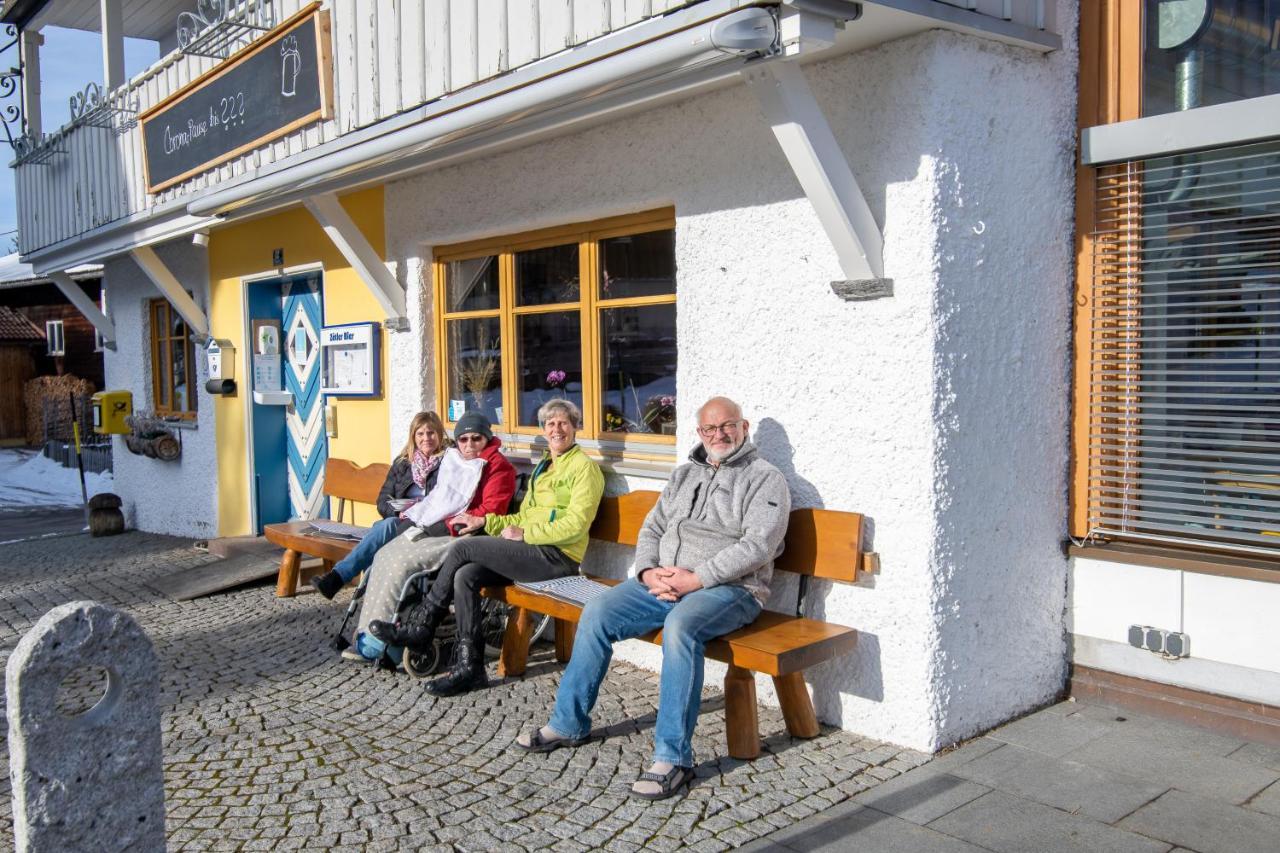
column 172, row 366
column 586, row 312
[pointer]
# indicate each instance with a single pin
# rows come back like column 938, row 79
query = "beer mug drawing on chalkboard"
column 290, row 65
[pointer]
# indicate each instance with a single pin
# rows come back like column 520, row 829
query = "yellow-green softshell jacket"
column 559, row 505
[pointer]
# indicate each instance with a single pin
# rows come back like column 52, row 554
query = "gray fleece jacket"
column 725, row 523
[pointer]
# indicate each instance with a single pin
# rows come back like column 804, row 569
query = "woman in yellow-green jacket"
column 546, row 538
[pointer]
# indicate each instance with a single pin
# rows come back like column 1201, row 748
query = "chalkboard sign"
column 276, row 85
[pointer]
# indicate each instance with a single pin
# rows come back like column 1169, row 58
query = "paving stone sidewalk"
column 1071, row 777
column 271, row 742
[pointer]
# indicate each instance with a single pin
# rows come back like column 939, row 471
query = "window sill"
column 178, row 421
column 622, row 458
column 1181, row 559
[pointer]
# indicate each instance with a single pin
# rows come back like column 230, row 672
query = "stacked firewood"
column 58, row 390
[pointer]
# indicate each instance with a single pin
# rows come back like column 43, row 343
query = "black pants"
column 479, row 561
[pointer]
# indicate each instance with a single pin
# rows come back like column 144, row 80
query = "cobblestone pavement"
column 272, row 742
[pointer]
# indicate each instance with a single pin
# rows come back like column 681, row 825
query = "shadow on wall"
column 858, row 674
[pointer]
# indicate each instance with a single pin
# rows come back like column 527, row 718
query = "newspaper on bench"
column 336, row 530
column 575, row 589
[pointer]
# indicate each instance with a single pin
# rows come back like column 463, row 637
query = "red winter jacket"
column 497, row 483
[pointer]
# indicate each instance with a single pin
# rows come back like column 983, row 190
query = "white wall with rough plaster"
column 940, row 413
column 179, row 498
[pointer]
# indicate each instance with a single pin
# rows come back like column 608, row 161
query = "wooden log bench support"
column 344, row 480
column 820, row 543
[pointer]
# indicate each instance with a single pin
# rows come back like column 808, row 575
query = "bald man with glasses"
column 704, row 560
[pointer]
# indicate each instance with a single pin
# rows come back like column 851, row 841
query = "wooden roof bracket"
column 814, row 155
column 85, row 306
column 167, row 283
column 340, row 228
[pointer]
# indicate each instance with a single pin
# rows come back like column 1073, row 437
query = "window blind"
column 1184, row 392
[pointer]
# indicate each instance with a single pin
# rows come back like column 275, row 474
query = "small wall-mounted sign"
column 276, row 85
column 277, row 257
column 350, row 363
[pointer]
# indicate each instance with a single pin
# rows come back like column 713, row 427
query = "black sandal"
column 669, row 783
column 537, row 743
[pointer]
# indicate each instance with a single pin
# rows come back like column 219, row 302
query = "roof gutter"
column 726, row 41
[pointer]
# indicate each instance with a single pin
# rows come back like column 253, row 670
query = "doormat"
column 220, row 576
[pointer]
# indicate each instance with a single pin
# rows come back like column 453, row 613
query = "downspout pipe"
column 738, row 35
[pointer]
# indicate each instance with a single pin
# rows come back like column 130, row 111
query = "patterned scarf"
column 422, row 465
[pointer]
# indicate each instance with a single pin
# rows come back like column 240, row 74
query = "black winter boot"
column 417, row 632
column 328, row 583
column 466, row 674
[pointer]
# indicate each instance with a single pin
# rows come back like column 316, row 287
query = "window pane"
column 1202, row 52
column 179, row 373
column 1185, row 430
column 163, row 398
column 179, row 328
column 472, row 284
column 638, row 265
column 639, row 364
column 475, row 368
column 547, row 276
column 549, row 359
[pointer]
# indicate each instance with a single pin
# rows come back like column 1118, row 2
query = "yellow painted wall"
column 244, row 250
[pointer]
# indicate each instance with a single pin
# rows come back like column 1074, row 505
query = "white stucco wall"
column 181, row 497
column 940, row 413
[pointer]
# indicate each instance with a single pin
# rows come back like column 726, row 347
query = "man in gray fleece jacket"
column 703, row 564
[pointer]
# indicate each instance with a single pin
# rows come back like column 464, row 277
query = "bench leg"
column 515, row 643
column 287, row 583
column 564, row 639
column 797, row 707
column 741, row 717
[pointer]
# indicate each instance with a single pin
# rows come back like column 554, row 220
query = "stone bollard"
column 93, row 781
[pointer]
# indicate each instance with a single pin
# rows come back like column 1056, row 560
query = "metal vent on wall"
column 1184, row 394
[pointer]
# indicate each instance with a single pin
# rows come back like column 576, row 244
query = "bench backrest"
column 821, row 543
column 347, row 481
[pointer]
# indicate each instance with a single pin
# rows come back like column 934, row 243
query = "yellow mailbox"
column 110, row 408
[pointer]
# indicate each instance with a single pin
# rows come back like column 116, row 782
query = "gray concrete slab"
column 1066, row 785
column 1009, row 824
column 1205, row 825
column 1268, row 801
column 864, row 828
column 1261, row 754
column 1198, row 772
column 921, row 797
column 1053, row 734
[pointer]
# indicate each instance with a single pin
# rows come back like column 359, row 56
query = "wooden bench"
column 344, row 480
column 820, row 543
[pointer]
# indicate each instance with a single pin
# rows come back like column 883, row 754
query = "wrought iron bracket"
column 218, row 28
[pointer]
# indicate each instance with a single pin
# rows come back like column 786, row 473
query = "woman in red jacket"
column 475, row 440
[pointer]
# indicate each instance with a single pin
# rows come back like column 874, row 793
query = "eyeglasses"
column 472, row 437
column 727, row 426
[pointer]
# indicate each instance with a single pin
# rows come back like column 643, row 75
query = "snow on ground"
column 28, row 479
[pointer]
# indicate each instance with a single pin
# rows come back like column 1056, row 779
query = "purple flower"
column 667, row 401
column 555, row 378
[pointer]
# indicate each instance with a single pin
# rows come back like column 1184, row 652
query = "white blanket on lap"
column 455, row 485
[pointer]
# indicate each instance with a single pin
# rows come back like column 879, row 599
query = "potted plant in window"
column 660, row 414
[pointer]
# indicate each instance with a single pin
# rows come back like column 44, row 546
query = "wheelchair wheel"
column 424, row 663
column 494, row 625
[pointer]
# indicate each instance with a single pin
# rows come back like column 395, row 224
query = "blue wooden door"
column 307, row 444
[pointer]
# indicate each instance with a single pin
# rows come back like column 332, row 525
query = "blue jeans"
column 361, row 557
column 628, row 610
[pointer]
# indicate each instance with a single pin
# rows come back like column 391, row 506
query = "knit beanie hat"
column 473, row 422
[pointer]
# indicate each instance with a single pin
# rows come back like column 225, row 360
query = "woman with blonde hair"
column 412, row 475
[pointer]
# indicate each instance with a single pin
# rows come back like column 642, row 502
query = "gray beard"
column 712, row 456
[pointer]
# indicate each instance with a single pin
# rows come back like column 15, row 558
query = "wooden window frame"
column 1110, row 91
column 160, row 334
column 589, row 305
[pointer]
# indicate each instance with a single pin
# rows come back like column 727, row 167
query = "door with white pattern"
column 307, row 446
